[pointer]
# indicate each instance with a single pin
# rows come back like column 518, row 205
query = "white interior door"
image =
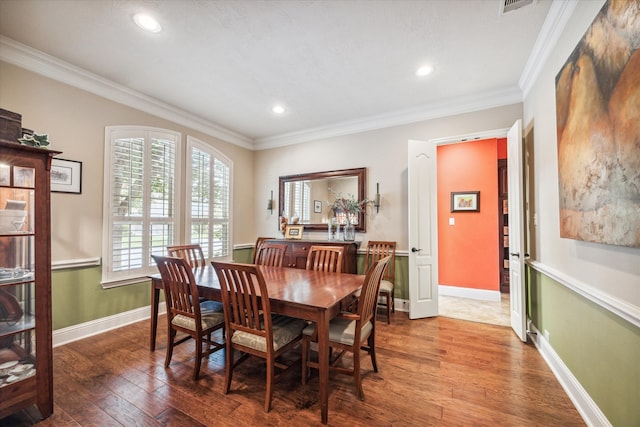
column 516, row 231
column 423, row 227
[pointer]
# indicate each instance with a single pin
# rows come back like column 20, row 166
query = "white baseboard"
column 587, row 408
column 98, row 326
column 401, row 304
column 479, row 294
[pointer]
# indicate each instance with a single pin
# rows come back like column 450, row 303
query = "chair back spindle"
column 271, row 254
column 191, row 253
column 325, row 258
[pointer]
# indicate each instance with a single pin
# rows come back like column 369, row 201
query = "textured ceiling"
column 330, row 63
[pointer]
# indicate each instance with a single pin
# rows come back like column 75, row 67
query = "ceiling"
column 337, row 66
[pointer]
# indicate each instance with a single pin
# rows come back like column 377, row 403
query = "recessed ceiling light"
column 278, row 109
column 425, row 70
column 147, row 23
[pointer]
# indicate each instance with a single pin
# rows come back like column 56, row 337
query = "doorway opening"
column 429, row 202
column 473, row 244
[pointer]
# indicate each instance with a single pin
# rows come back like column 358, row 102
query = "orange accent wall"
column 468, row 251
column 502, row 148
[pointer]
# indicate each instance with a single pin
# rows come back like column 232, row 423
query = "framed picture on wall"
column 317, row 206
column 293, row 232
column 465, row 201
column 66, row 176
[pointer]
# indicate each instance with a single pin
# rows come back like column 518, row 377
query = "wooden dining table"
column 303, row 294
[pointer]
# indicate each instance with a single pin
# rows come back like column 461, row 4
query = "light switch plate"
column 452, row 221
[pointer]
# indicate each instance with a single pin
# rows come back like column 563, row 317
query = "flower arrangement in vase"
column 351, row 208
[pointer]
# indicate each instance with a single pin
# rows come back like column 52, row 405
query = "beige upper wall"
column 613, row 270
column 383, row 152
column 75, row 121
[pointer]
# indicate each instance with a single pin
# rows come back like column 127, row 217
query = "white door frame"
column 413, row 267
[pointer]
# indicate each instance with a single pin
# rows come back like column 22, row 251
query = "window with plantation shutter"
column 297, row 200
column 141, row 194
column 208, row 216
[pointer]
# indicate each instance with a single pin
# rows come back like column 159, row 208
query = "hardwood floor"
column 432, row 372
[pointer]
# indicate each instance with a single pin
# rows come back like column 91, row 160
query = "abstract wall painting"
column 598, row 129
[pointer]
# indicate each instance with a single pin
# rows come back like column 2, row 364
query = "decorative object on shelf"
column 349, row 232
column 10, row 125
column 66, row 176
column 332, row 227
column 347, row 210
column 35, row 140
column 465, row 201
column 294, row 232
column 283, row 224
column 376, row 198
column 270, row 203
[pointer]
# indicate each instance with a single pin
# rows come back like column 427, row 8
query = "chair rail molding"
column 628, row 312
column 75, row 263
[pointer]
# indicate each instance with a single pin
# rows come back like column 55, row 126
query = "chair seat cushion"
column 213, row 306
column 341, row 330
column 386, row 286
column 285, row 329
column 211, row 315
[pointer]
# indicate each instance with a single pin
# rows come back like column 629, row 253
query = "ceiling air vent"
column 511, row 5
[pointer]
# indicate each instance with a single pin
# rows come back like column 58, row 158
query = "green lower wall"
column 77, row 297
column 401, row 290
column 601, row 349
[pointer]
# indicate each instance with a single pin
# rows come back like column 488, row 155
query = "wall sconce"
column 270, row 203
column 376, row 198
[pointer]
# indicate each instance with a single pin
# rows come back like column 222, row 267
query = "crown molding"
column 41, row 63
column 552, row 28
column 450, row 107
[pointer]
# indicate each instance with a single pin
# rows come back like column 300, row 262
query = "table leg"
column 155, row 301
column 323, row 365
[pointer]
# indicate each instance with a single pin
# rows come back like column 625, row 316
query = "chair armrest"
column 347, row 315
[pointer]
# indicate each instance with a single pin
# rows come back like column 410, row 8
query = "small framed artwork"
column 66, row 176
column 465, row 201
column 5, row 175
column 293, row 232
column 317, row 206
column 23, row 177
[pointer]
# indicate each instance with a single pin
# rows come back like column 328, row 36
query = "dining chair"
column 377, row 250
column 325, row 258
column 250, row 326
column 191, row 253
column 197, row 321
column 271, row 254
column 350, row 332
column 259, row 242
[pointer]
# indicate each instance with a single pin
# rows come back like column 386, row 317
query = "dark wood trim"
column 360, row 173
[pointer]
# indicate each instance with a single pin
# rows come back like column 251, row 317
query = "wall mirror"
column 305, row 196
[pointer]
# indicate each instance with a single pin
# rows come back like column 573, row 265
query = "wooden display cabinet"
column 25, row 279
